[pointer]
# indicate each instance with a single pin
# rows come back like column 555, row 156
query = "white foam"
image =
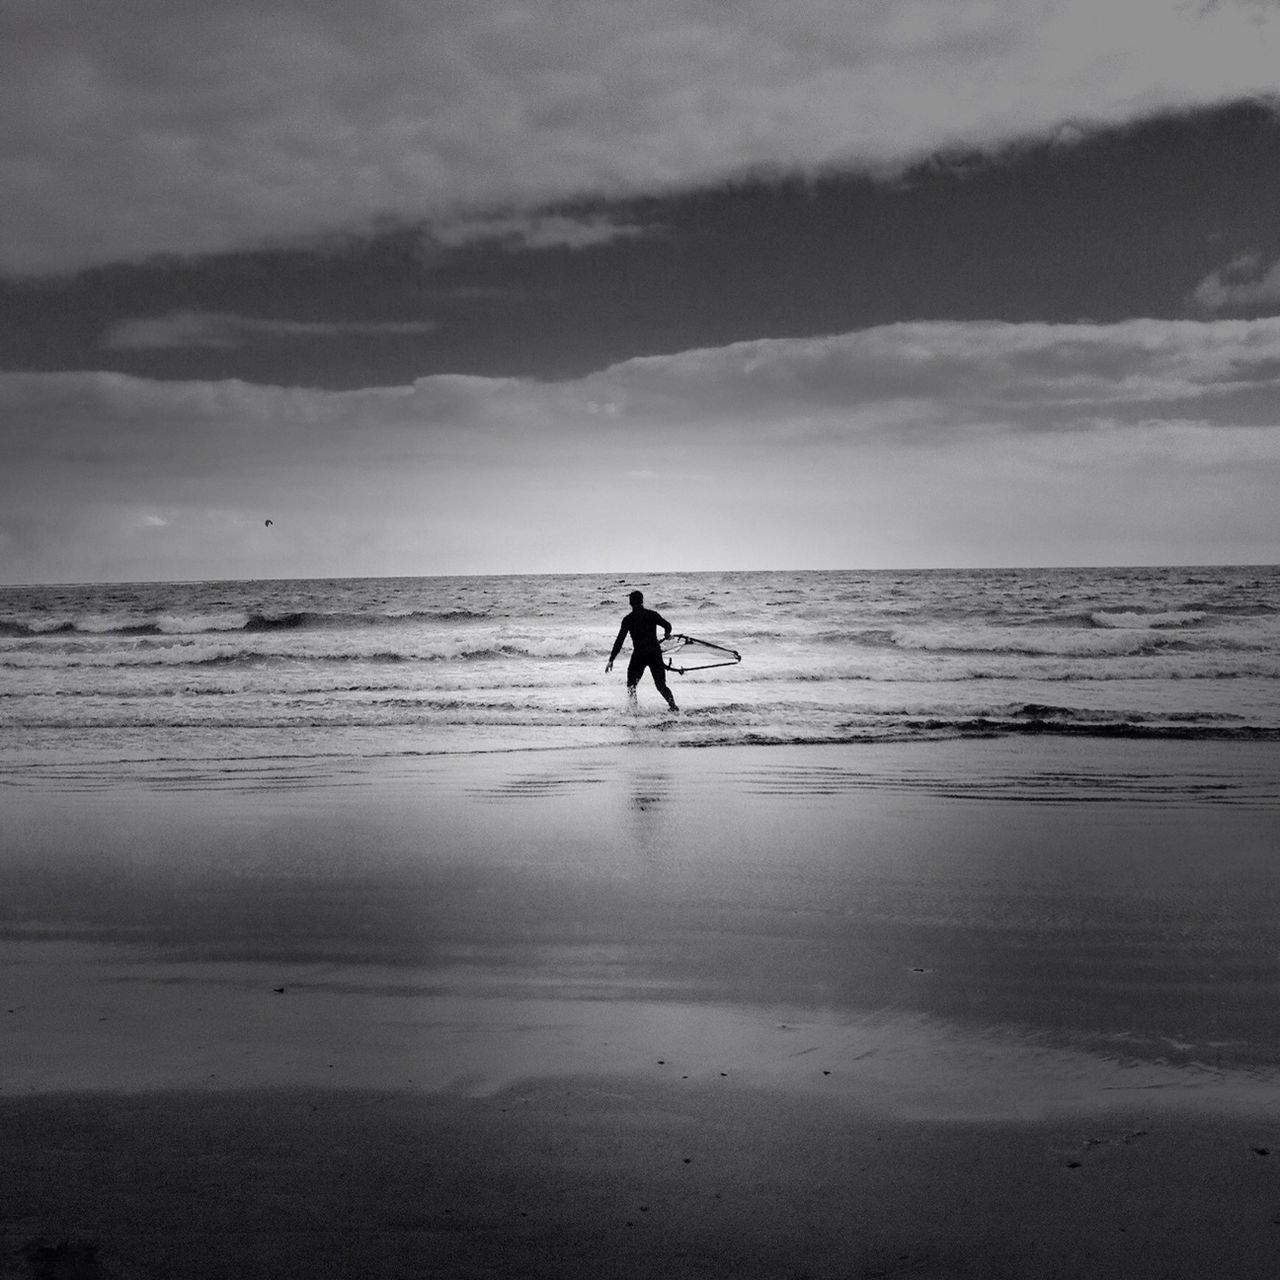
column 1132, row 620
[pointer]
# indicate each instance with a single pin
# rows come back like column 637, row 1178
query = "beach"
column 639, row 642
column 989, row 1007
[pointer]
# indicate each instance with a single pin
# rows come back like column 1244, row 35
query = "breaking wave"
column 229, row 621
column 1135, row 620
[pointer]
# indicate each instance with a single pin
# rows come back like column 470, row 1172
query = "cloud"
column 219, row 330
column 946, row 443
column 154, row 127
column 949, row 374
column 1242, row 285
column 944, row 375
column 535, row 231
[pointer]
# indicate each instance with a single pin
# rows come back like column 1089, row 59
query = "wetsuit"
column 643, row 625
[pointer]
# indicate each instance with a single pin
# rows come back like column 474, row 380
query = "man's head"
column 636, row 598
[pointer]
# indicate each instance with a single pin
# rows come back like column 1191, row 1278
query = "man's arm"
column 617, row 645
column 664, row 624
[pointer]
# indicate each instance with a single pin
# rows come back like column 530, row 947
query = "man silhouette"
column 643, row 626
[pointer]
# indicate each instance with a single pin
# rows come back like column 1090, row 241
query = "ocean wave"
column 557, row 663
column 164, row 624
column 1084, row 639
column 707, row 727
column 1136, row 620
column 854, row 637
column 1047, row 712
column 194, row 653
column 16, row 630
column 984, row 726
column 1027, row 642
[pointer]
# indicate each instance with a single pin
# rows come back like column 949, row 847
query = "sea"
column 354, row 667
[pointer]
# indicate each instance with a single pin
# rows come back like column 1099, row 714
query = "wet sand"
column 983, row 1008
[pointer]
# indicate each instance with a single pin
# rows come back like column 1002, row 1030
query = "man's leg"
column 660, row 679
column 635, row 669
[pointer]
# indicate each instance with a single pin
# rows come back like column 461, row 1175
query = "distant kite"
column 266, row 524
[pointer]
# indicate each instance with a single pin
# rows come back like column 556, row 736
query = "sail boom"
column 694, row 648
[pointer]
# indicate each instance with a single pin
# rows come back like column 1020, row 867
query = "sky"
column 479, row 286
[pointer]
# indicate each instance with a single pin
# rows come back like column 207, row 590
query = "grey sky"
column 155, row 126
column 461, row 287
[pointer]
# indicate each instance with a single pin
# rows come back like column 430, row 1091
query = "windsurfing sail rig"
column 688, row 653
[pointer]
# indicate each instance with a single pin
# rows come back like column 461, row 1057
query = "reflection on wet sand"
column 649, row 791
column 1008, row 1009
column 1134, row 928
